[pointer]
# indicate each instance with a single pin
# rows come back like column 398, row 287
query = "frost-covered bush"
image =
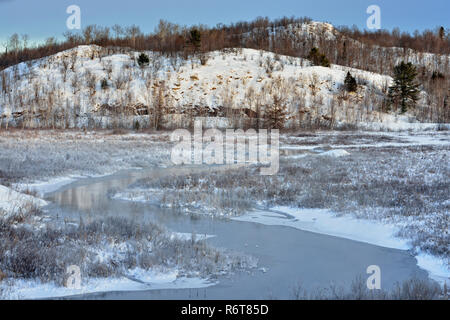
column 107, row 247
column 31, row 155
column 413, row 289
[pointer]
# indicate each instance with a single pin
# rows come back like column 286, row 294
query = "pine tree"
column 143, row 60
column 195, row 38
column 405, row 91
column 317, row 58
column 437, row 76
column 350, row 83
column 441, row 33
column 137, row 126
column 104, row 84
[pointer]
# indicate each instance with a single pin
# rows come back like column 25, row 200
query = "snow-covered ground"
column 45, row 160
column 136, row 280
column 358, row 140
column 326, row 222
column 47, row 186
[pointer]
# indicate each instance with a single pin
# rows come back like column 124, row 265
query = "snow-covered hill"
column 327, row 37
column 95, row 86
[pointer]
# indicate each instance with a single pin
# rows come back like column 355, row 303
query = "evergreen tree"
column 441, row 33
column 350, row 83
column 195, row 38
column 317, row 58
column 143, row 60
column 104, row 84
column 405, row 91
column 437, row 76
column 137, row 125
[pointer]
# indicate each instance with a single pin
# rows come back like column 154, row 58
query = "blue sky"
column 44, row 18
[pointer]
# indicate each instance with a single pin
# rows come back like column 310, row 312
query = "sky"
column 40, row 19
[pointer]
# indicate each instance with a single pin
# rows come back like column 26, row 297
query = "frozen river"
column 286, row 256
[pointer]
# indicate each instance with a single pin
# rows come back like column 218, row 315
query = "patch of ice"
column 188, row 236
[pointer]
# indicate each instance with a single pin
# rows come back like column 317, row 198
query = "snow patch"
column 436, row 268
column 136, row 280
column 323, row 221
column 189, row 236
column 48, row 186
column 335, row 153
column 12, row 201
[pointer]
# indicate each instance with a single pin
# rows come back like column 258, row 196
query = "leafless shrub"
column 120, row 81
column 91, row 81
column 64, row 67
column 73, row 60
column 204, row 59
column 75, row 83
column 108, row 68
column 269, row 65
column 416, row 289
column 45, row 254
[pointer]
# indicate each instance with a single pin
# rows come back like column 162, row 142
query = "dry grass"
column 38, row 154
column 413, row 289
column 103, row 248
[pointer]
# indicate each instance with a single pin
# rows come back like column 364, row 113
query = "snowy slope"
column 66, row 87
column 315, row 31
column 12, row 202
